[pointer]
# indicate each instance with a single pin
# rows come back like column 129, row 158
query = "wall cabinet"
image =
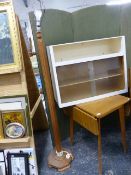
column 88, row 70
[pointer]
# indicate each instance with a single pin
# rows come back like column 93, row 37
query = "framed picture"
column 14, row 123
column 1, row 128
column 2, row 163
column 31, row 158
column 2, row 168
column 2, row 156
column 18, row 163
column 10, row 50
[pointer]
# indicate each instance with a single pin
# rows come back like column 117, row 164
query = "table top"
column 103, row 107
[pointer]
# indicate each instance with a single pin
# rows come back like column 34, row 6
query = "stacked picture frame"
column 17, row 148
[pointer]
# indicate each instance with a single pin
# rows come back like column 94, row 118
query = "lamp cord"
column 61, row 153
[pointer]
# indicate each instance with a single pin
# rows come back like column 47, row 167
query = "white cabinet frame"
column 105, row 52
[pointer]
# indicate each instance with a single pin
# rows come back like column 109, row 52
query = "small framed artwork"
column 18, row 164
column 14, row 123
column 2, row 168
column 1, row 128
column 31, row 157
column 2, row 156
column 2, row 163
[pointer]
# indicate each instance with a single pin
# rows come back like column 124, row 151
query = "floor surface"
column 115, row 162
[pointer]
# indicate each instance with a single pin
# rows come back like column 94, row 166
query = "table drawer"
column 86, row 120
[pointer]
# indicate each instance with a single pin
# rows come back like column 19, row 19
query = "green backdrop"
column 90, row 23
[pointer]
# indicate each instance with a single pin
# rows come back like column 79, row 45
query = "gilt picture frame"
column 17, row 120
column 10, row 50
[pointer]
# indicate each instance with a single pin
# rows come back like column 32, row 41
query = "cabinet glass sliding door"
column 92, row 78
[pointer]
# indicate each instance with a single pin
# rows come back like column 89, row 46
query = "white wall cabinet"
column 88, row 70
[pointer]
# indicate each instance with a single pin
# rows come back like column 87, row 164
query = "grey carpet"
column 115, row 162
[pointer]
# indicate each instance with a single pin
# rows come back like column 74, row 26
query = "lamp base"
column 60, row 162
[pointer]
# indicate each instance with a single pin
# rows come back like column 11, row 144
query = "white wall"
column 67, row 5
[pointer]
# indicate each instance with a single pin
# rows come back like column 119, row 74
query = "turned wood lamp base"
column 61, row 161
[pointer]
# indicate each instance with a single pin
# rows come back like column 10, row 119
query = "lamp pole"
column 59, row 158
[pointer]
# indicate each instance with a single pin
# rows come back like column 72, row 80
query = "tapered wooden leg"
column 123, row 130
column 99, row 148
column 71, row 129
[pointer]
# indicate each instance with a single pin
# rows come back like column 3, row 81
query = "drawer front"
column 85, row 120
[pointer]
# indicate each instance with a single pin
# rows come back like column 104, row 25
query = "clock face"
column 15, row 130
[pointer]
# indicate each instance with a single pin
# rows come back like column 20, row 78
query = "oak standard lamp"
column 59, row 158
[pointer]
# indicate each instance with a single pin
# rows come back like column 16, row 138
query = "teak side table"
column 89, row 116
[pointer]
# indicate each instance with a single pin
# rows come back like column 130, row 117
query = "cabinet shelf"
column 84, row 49
column 85, row 59
column 90, row 89
column 84, row 80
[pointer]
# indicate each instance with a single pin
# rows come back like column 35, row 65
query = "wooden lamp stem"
column 59, row 162
column 50, row 96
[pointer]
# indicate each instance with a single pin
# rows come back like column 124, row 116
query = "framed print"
column 2, row 157
column 14, row 123
column 30, row 152
column 2, row 163
column 2, row 168
column 1, row 128
column 18, row 163
column 10, row 52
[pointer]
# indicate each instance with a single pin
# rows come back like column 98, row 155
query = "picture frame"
column 2, row 168
column 14, row 120
column 2, row 157
column 1, row 128
column 2, row 163
column 18, row 163
column 31, row 154
column 10, row 52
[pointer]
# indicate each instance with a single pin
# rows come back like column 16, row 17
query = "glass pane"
column 75, row 92
column 108, row 67
column 73, row 74
column 89, row 79
column 111, row 84
column 75, row 81
column 6, row 53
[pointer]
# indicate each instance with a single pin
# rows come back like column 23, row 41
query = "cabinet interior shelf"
column 84, row 80
column 91, row 89
column 65, row 62
column 84, row 49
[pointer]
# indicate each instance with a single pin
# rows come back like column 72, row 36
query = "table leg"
column 71, row 129
column 99, row 148
column 122, row 125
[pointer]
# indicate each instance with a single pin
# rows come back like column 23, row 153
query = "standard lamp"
column 59, row 158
